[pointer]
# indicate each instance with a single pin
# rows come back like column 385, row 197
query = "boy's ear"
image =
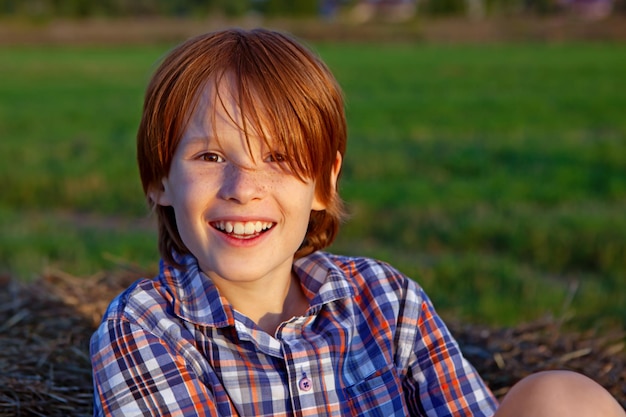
column 318, row 204
column 159, row 195
column 335, row 172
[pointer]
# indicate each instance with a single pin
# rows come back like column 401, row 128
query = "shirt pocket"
column 380, row 394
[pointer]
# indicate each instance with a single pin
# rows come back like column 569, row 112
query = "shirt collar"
column 322, row 279
column 197, row 299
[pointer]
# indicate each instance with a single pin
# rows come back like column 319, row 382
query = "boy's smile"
column 243, row 230
column 239, row 210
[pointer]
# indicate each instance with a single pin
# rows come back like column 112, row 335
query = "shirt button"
column 305, row 384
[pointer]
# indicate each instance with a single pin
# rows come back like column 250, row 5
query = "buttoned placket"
column 304, row 372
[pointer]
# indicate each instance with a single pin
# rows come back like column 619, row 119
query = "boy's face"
column 238, row 209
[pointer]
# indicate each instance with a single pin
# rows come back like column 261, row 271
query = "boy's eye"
column 211, row 157
column 276, row 157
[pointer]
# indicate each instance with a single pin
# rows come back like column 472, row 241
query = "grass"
column 495, row 175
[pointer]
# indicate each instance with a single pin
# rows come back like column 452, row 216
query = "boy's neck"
column 268, row 304
column 294, row 304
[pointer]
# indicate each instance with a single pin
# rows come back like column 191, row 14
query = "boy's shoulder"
column 175, row 295
column 357, row 264
column 358, row 271
column 371, row 286
column 137, row 301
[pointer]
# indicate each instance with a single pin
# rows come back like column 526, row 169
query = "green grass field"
column 494, row 175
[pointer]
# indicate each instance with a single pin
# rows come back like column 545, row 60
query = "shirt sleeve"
column 137, row 374
column 440, row 381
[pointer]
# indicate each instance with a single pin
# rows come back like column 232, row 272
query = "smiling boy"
column 237, row 203
column 240, row 149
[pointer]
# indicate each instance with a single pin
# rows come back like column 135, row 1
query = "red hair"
column 275, row 80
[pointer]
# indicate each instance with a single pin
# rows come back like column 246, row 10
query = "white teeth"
column 243, row 228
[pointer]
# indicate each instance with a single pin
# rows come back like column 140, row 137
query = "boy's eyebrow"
column 199, row 139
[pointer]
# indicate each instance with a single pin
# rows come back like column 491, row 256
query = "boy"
column 240, row 149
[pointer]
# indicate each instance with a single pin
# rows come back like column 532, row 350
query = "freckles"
column 269, row 180
column 283, row 183
column 277, row 180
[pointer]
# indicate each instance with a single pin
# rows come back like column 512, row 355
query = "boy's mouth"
column 243, row 229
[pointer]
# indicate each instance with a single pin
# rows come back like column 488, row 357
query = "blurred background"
column 359, row 10
column 486, row 153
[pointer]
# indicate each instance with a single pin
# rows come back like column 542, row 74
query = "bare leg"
column 559, row 393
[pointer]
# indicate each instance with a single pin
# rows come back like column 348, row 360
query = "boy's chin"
column 244, row 271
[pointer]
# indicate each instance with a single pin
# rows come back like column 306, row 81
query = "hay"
column 44, row 360
column 45, row 328
column 503, row 356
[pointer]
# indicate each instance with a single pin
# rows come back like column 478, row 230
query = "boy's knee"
column 559, row 393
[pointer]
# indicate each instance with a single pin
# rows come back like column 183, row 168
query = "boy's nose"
column 241, row 184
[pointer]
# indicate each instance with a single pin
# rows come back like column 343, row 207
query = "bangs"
column 276, row 94
column 264, row 115
column 283, row 91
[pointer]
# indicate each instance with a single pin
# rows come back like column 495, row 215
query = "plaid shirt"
column 369, row 344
